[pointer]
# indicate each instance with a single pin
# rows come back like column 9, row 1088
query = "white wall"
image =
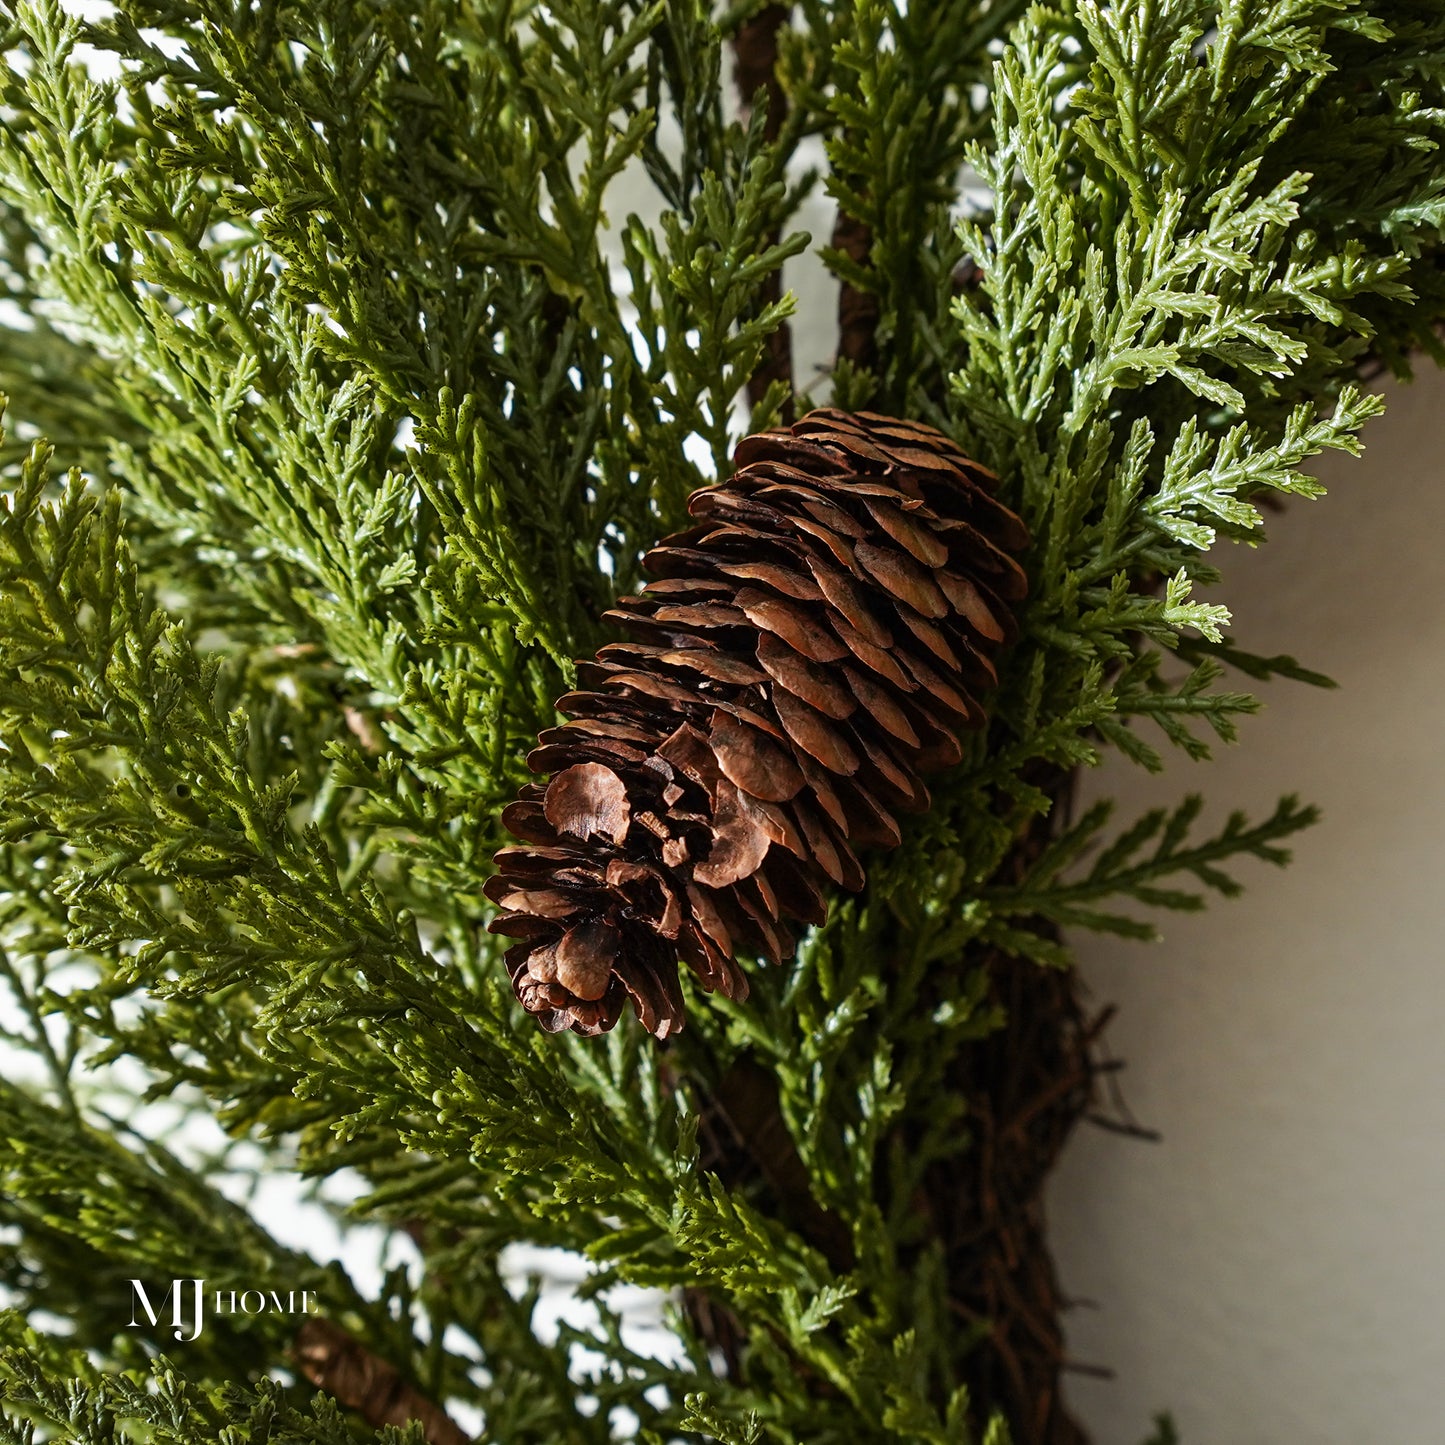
column 1274, row 1270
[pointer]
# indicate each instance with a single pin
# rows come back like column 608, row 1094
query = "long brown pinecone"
column 801, row 655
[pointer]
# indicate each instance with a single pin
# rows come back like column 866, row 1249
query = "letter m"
column 141, row 1298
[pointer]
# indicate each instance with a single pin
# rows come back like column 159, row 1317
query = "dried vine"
column 755, row 51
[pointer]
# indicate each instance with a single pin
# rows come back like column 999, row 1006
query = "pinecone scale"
column 797, row 660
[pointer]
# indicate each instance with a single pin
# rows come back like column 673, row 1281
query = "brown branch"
column 755, row 53
column 857, row 310
column 1026, row 1087
column 747, row 1099
column 744, row 1139
column 337, row 1362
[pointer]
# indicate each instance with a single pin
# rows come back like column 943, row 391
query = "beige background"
column 1274, row 1270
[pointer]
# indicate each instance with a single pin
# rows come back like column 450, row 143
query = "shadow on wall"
column 1275, row 1269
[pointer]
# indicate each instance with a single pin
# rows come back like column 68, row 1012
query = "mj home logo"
column 188, row 1304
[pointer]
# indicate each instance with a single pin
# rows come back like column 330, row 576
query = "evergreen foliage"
column 341, row 405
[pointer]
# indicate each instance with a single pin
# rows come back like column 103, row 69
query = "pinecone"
column 801, row 655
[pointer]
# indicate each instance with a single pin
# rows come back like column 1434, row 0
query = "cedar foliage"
column 342, row 403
